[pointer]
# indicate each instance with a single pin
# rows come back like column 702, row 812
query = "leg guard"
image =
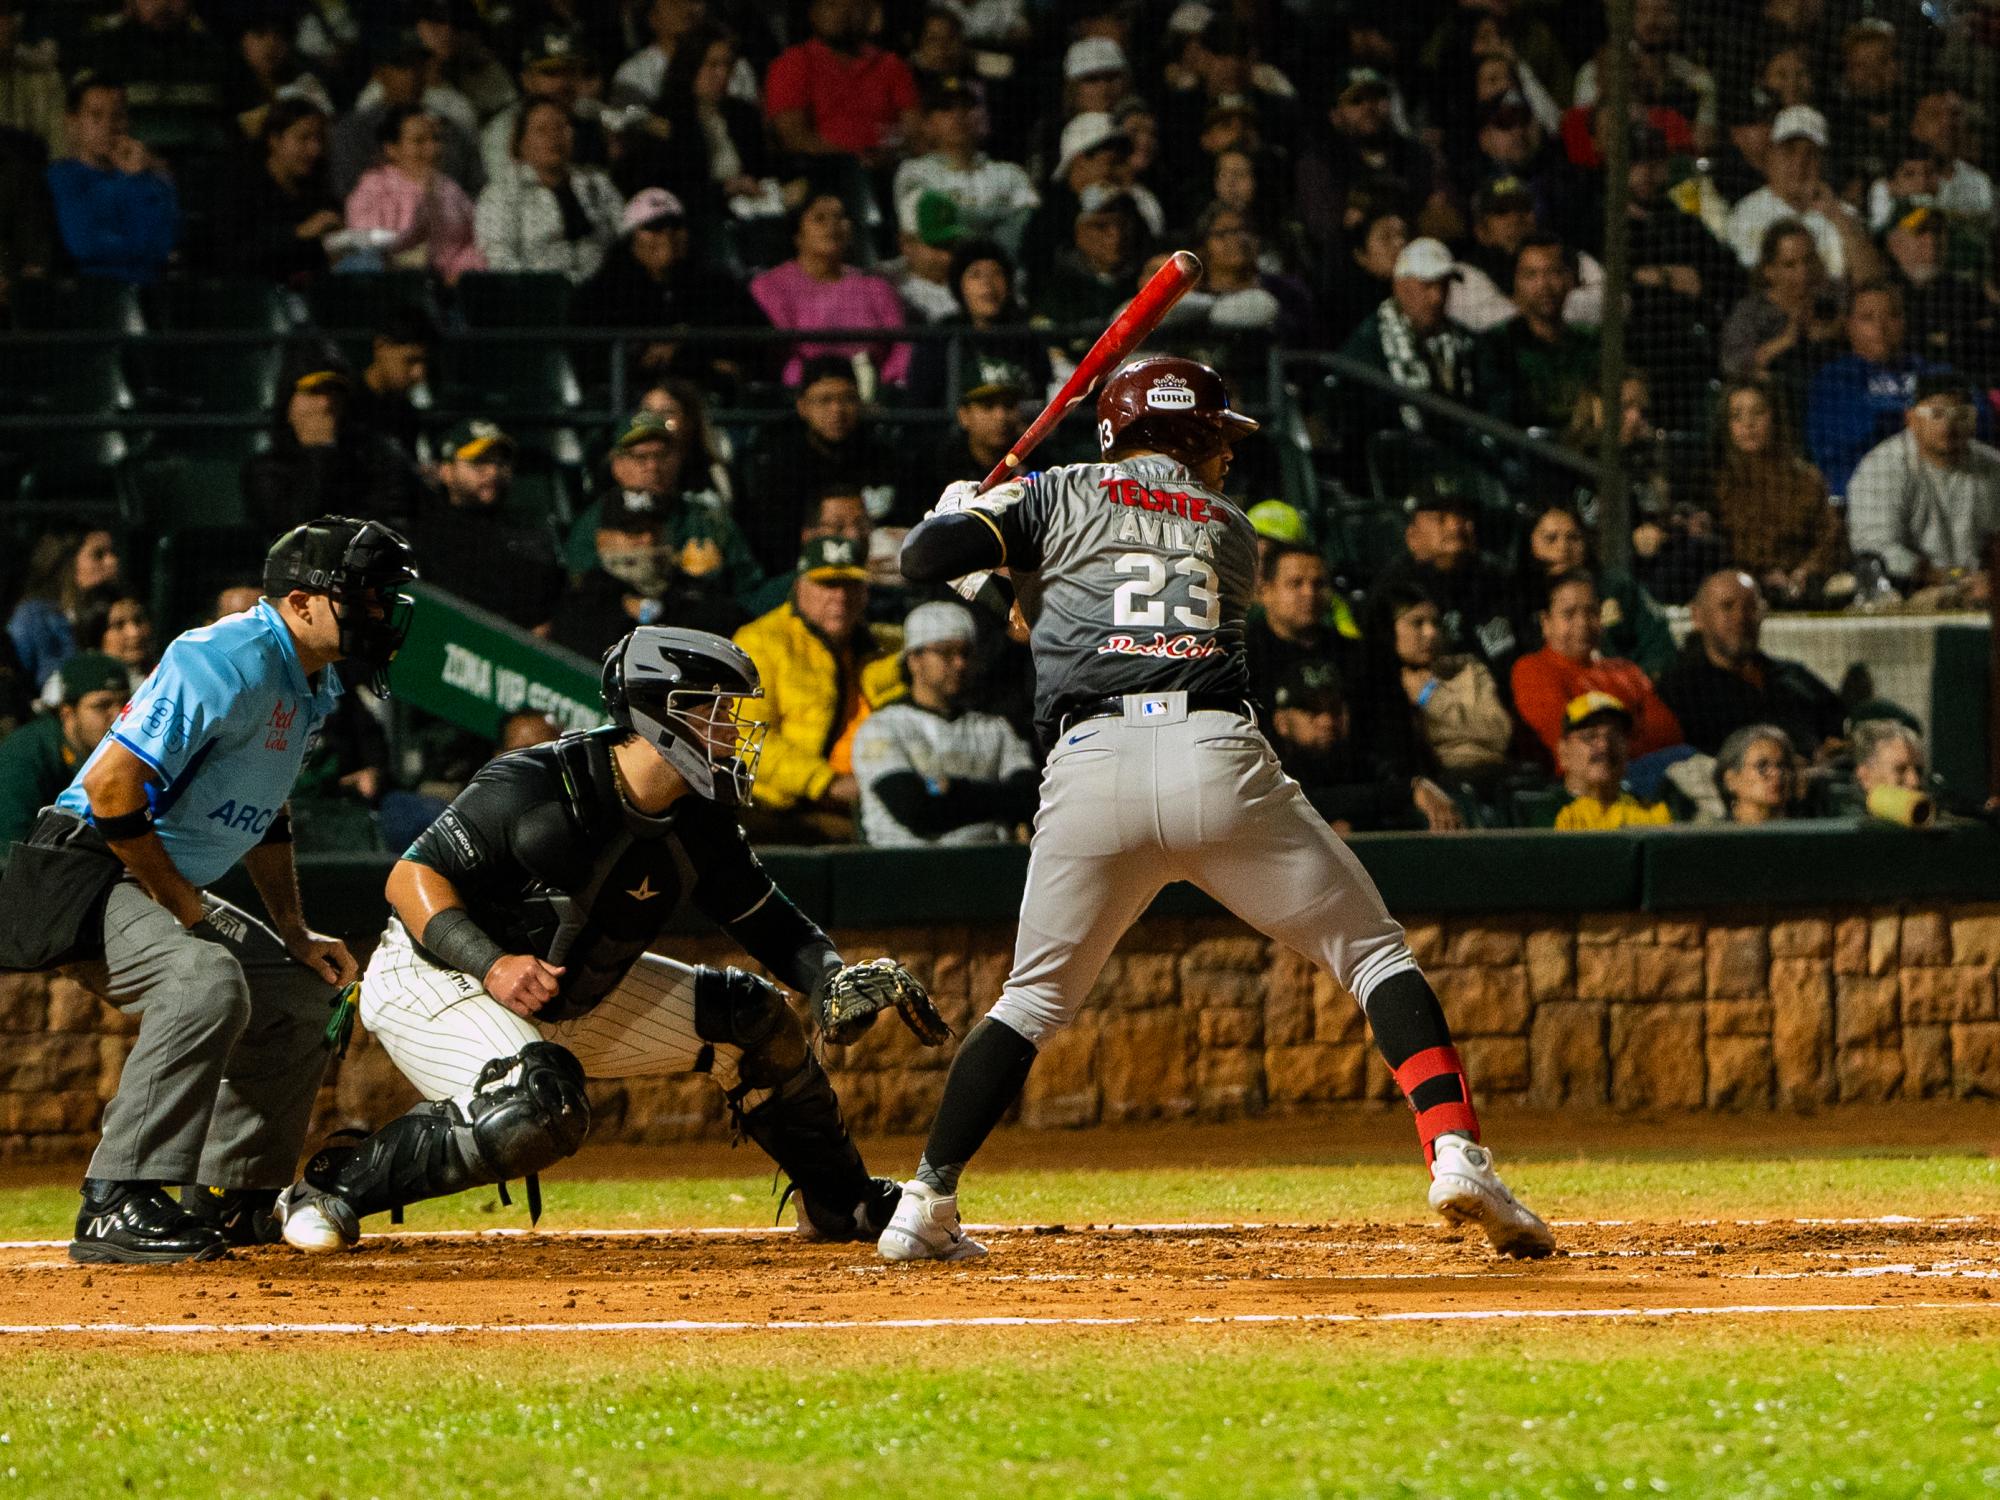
column 507, row 1130
column 798, row 1123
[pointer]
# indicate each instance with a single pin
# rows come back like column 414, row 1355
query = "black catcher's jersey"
column 551, row 860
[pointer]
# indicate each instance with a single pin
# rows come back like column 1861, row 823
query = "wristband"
column 458, row 942
column 280, row 831
column 119, row 827
column 1430, row 691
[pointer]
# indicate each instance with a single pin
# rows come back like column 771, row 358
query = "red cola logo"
column 1174, row 502
column 1174, row 647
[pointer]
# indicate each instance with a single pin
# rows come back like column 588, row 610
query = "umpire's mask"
column 361, row 566
column 682, row 691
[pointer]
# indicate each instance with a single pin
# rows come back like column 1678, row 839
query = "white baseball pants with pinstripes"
column 441, row 1028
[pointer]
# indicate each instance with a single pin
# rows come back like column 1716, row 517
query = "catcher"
column 514, row 965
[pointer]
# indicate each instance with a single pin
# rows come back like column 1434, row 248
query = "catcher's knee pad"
column 507, row 1129
column 740, row 1010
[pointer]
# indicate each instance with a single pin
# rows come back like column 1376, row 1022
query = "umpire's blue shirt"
column 224, row 721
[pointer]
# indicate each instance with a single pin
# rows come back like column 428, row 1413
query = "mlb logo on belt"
column 1153, row 706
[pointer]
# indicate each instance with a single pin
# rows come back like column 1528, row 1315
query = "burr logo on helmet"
column 1171, row 393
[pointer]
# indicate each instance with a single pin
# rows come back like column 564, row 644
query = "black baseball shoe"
column 243, row 1216
column 136, row 1223
column 864, row 1223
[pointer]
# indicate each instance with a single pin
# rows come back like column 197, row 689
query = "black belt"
column 1112, row 706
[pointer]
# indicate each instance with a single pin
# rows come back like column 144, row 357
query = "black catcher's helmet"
column 682, row 692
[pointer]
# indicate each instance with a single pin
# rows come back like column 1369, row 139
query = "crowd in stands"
column 1813, row 324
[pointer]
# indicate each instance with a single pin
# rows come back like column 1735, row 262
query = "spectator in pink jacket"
column 816, row 288
column 405, row 193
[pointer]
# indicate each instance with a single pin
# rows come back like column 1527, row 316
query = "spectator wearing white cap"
column 932, row 771
column 649, row 280
column 994, row 198
column 1412, row 341
column 1094, row 151
column 1795, row 187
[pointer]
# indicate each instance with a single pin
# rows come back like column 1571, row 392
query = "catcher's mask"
column 682, row 691
column 361, row 566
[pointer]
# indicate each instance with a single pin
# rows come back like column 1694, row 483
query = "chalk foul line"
column 784, row 1325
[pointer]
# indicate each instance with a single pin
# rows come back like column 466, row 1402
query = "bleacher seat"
column 90, row 302
column 514, row 299
column 194, row 507
column 221, row 379
column 224, row 303
column 357, row 304
column 494, row 378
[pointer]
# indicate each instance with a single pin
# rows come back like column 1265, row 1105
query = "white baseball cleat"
column 1466, row 1190
column 925, row 1227
column 316, row 1222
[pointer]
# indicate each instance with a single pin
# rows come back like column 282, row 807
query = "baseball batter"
column 1135, row 574
column 516, row 964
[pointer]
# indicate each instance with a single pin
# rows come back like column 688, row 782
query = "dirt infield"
column 547, row 1285
column 694, row 1281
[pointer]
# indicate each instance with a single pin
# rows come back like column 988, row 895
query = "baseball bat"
column 1127, row 331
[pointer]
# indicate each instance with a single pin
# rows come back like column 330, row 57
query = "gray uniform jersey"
column 1133, row 576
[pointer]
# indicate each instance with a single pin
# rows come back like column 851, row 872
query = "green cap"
column 93, row 672
column 828, row 558
column 471, row 440
column 934, row 218
column 1278, row 522
column 645, row 427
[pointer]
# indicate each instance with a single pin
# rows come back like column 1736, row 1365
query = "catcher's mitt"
column 848, row 999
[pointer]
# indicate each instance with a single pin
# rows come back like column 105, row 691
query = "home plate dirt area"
column 1886, row 1254
column 551, row 1287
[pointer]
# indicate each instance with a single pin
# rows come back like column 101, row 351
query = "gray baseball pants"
column 1130, row 804
column 219, row 1086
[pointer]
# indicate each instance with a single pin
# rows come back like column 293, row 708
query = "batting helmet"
column 681, row 691
column 1175, row 406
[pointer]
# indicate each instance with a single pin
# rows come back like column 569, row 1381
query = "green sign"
column 473, row 669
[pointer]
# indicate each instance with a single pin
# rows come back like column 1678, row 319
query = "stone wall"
column 1793, row 1011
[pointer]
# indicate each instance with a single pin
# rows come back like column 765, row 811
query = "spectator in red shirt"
column 839, row 94
column 1569, row 664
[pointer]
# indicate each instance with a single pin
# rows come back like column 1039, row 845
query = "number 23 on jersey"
column 1139, row 601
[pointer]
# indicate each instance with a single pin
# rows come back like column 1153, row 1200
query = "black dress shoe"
column 243, row 1216
column 136, row 1223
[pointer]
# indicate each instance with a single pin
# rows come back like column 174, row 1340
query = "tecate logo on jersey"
column 1122, row 491
column 1174, row 647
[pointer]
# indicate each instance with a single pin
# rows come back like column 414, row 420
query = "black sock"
column 985, row 1077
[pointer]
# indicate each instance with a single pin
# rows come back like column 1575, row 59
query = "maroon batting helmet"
column 1175, row 406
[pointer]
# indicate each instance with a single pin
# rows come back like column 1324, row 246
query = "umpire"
column 193, row 777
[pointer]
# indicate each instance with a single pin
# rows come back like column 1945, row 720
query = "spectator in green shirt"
column 40, row 758
column 1537, row 365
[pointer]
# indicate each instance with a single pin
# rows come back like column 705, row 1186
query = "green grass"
column 1598, row 1188
column 1740, row 1412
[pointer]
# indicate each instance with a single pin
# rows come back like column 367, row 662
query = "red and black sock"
column 1415, row 1041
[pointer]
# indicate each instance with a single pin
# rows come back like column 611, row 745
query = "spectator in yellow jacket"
column 1594, row 751
column 824, row 669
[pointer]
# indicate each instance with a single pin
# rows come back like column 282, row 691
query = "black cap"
column 1940, row 383
column 404, row 50
column 949, row 92
column 555, row 47
column 632, row 510
column 1311, row 685
column 1439, row 492
column 1500, row 195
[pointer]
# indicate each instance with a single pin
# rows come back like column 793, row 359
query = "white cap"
column 1190, row 18
column 1424, row 259
column 937, row 623
column 1093, row 54
column 1090, row 131
column 1799, row 120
